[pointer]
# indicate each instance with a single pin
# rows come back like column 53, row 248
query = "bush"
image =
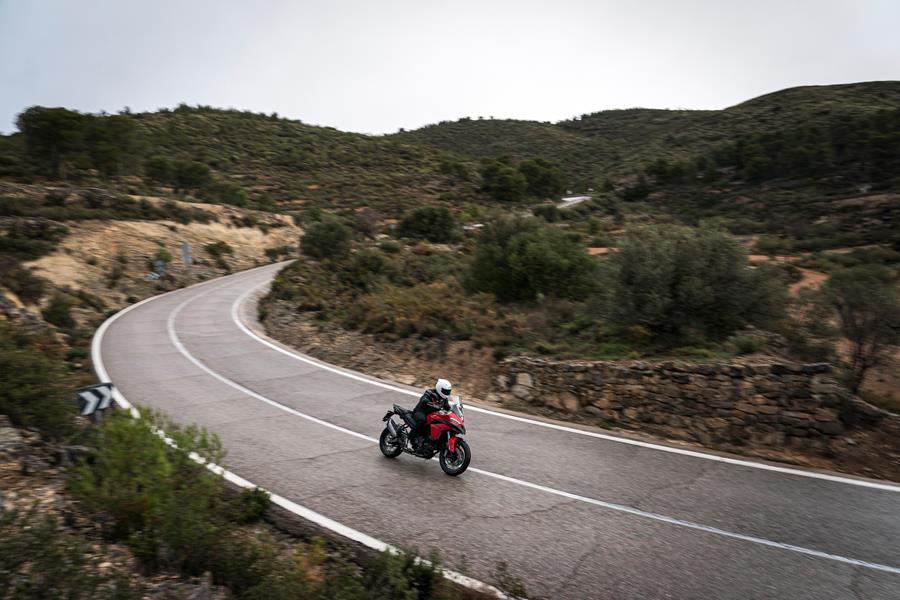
column 429, row 310
column 747, row 344
column 429, row 223
column 548, row 212
column 543, row 179
column 168, row 508
column 520, row 260
column 367, row 269
column 40, row 559
column 277, row 252
column 35, row 390
column 390, row 247
column 218, row 248
column 224, row 192
column 503, row 182
column 326, row 239
column 58, row 311
column 190, row 175
column 772, row 245
column 686, row 285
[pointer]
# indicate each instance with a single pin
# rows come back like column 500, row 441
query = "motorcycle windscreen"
column 456, row 406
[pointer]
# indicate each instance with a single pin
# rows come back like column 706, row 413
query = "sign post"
column 186, row 255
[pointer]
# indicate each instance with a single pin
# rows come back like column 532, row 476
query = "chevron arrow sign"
column 95, row 399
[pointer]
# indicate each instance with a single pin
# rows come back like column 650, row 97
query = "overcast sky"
column 377, row 65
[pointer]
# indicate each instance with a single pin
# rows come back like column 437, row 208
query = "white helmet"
column 443, row 389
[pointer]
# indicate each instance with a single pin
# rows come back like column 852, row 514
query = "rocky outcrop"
column 767, row 403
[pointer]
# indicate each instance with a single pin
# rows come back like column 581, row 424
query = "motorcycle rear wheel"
column 389, row 445
column 455, row 463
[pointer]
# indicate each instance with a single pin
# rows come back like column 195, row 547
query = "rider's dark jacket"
column 428, row 403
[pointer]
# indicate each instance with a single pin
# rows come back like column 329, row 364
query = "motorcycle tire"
column 390, row 450
column 455, row 464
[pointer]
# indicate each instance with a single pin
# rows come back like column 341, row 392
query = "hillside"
column 617, row 143
column 234, row 157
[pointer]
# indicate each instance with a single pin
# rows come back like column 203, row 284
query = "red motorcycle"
column 444, row 427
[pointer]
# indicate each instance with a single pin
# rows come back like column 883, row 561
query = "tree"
column 159, row 169
column 190, row 175
column 112, row 143
column 520, row 260
column 686, row 284
column 54, row 138
column 503, row 182
column 543, row 179
column 867, row 303
column 328, row 238
column 435, row 224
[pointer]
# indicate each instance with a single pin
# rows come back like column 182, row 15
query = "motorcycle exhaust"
column 392, row 428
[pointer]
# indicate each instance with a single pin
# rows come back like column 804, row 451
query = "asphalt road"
column 575, row 515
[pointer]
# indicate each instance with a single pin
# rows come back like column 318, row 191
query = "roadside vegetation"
column 526, row 285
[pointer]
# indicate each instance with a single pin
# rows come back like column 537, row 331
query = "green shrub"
column 218, row 248
column 168, row 508
column 40, row 559
column 114, row 274
column 687, row 285
column 58, row 311
column 35, row 388
column 224, row 192
column 326, row 239
column 390, row 247
column 503, row 182
column 543, row 179
column 548, row 212
column 747, row 344
column 771, row 246
column 366, row 269
column 278, row 252
column 520, row 260
column 429, row 310
column 429, row 223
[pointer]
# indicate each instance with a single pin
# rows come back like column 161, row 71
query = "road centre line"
column 173, row 336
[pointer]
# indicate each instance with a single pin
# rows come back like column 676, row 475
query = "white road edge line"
column 173, row 336
column 235, row 316
column 297, row 509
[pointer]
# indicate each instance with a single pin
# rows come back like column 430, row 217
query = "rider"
column 432, row 400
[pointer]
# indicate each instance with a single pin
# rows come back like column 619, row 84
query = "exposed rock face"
column 772, row 404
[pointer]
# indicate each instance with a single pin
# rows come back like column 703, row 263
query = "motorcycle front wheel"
column 454, row 463
column 389, row 445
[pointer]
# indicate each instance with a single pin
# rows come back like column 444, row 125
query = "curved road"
column 575, row 514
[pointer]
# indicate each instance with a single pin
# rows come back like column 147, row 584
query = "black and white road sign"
column 95, row 399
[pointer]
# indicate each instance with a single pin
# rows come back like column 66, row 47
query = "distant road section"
column 576, row 514
column 571, row 201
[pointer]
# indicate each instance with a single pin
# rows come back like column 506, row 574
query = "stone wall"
column 768, row 403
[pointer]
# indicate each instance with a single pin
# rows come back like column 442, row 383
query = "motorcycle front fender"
column 451, row 443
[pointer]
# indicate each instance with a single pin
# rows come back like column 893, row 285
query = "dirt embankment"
column 112, row 260
column 410, row 361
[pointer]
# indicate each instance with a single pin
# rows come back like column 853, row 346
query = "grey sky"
column 376, row 65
